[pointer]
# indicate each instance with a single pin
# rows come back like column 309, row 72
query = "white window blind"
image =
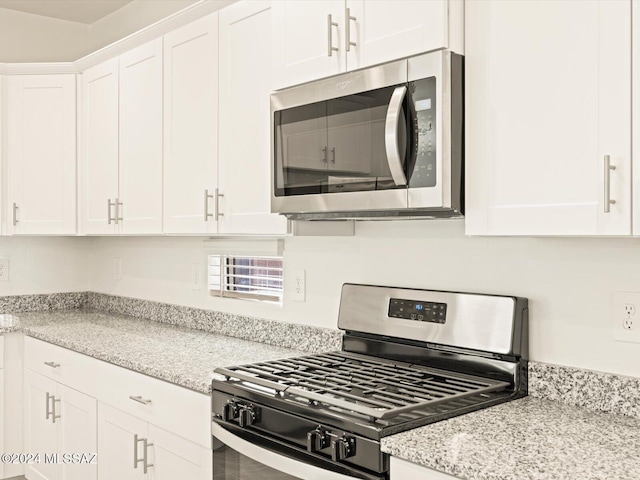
column 248, row 277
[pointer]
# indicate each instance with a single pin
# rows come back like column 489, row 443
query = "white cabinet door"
column 41, row 153
column 174, row 457
column 191, row 126
column 543, row 113
column 141, row 139
column 77, row 433
column 116, row 444
column 403, row 470
column 99, row 153
column 40, row 433
column 636, row 117
column 304, row 38
column 245, row 84
column 384, row 31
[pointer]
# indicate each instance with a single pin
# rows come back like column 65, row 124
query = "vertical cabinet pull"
column 15, row 214
column 324, row 155
column 347, row 30
column 145, row 453
column 51, row 413
column 607, row 184
column 218, row 196
column 207, row 196
column 109, row 205
column 333, row 155
column 118, row 216
column 330, row 25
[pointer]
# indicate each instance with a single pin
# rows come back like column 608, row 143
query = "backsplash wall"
column 569, row 281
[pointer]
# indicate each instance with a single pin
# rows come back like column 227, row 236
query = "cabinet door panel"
column 40, row 431
column 116, row 432
column 191, row 125
column 99, row 147
column 384, row 31
column 141, row 139
column 77, row 433
column 301, row 40
column 174, row 457
column 41, row 152
column 542, row 113
column 245, row 84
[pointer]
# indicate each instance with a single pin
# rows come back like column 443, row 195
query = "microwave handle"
column 394, row 115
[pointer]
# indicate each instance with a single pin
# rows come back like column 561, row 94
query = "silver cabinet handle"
column 118, row 204
column 15, row 214
column 51, row 413
column 330, row 25
column 324, row 155
column 52, row 364
column 109, row 205
column 607, row 184
column 145, row 454
column 333, row 155
column 394, row 114
column 139, row 399
column 218, row 196
column 207, row 196
column 347, row 30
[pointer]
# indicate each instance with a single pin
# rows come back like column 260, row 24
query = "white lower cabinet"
column 402, row 470
column 58, row 421
column 140, row 427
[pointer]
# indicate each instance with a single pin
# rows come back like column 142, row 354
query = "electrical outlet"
column 117, row 269
column 197, row 272
column 299, row 287
column 626, row 327
column 4, row 269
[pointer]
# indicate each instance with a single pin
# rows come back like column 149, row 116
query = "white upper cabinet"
column 548, row 95
column 191, row 126
column 99, row 148
column 245, row 85
column 41, row 154
column 140, row 168
column 318, row 39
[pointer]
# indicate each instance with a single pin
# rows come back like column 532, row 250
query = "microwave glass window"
column 338, row 145
column 423, row 96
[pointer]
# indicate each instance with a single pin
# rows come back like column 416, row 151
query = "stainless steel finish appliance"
column 409, row 358
column 381, row 142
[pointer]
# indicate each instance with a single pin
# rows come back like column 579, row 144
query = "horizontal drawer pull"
column 52, row 364
column 139, row 399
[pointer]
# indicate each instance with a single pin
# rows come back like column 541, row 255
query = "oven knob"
column 246, row 416
column 317, row 440
column 342, row 448
column 229, row 412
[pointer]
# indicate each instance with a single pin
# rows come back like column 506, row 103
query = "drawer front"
column 176, row 409
column 65, row 366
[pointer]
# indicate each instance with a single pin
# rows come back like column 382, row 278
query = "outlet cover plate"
column 626, row 326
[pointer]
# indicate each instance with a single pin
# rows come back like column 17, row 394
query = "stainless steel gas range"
column 409, row 358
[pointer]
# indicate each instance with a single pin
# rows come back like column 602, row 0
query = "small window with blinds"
column 248, row 277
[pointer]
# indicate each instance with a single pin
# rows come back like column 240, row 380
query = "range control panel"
column 419, row 311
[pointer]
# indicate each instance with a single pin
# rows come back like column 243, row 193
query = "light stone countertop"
column 526, row 439
column 183, row 356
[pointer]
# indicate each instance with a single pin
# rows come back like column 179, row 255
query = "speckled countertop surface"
column 530, row 438
column 183, row 356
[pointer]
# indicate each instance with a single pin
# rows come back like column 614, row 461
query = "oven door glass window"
column 343, row 144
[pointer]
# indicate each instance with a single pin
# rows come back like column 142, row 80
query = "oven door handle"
column 394, row 116
column 278, row 462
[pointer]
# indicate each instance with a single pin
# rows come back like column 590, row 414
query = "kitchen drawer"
column 65, row 366
column 176, row 409
column 1, row 351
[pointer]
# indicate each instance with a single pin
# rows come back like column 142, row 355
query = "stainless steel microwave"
column 381, row 142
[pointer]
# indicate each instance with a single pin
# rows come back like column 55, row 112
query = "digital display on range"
column 432, row 312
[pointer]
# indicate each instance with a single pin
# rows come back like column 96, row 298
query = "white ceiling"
column 82, row 11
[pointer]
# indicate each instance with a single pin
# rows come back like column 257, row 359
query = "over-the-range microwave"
column 382, row 142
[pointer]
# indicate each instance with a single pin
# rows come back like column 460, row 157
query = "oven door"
column 251, row 456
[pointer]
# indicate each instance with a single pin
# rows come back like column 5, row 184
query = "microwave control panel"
column 419, row 311
column 423, row 95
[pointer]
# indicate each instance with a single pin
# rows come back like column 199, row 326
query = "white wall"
column 569, row 281
column 33, row 38
column 45, row 265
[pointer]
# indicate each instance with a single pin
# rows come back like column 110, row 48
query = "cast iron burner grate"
column 374, row 387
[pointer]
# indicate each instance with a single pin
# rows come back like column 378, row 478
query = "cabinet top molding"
column 146, row 34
